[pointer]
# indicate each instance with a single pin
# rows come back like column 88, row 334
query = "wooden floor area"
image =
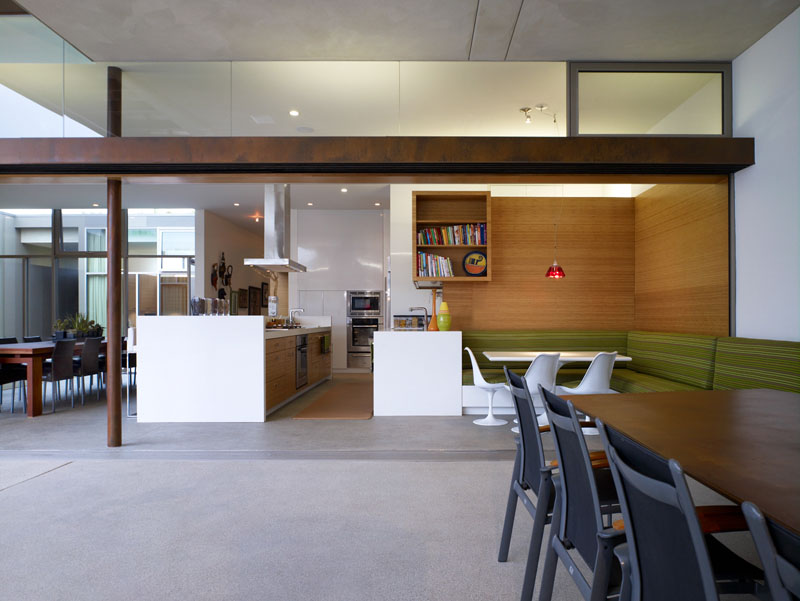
column 348, row 396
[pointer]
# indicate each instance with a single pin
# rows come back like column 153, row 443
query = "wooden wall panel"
column 681, row 250
column 595, row 242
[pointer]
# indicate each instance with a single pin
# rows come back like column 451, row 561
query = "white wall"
column 766, row 97
column 342, row 250
column 214, row 235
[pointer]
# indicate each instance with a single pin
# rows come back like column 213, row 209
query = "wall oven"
column 364, row 303
column 360, row 332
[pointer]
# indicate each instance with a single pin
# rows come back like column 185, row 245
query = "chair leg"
column 25, row 400
column 511, row 510
column 535, row 547
column 490, row 419
column 83, row 389
column 551, row 558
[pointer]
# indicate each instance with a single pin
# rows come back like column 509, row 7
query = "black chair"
column 88, row 364
column 531, row 472
column 779, row 551
column 670, row 555
column 11, row 373
column 31, row 338
column 59, row 369
column 587, row 498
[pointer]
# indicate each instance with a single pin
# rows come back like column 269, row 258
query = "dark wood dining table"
column 744, row 444
column 33, row 355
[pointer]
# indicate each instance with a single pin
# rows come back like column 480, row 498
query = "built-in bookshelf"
column 446, row 227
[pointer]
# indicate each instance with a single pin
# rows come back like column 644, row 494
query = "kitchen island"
column 224, row 369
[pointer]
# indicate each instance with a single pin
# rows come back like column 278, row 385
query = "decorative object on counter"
column 228, row 275
column 555, row 271
column 272, row 306
column 253, row 301
column 234, row 302
column 242, row 298
column 197, row 306
column 78, row 326
column 433, row 326
column 265, row 294
column 221, row 293
column 444, row 317
column 475, row 263
column 214, row 276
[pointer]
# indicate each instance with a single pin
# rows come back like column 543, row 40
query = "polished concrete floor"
column 388, row 508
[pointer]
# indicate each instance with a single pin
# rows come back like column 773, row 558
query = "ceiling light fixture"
column 94, row 204
column 294, row 113
column 236, row 204
column 377, row 204
column 310, row 204
column 555, row 271
column 344, row 190
column 526, row 110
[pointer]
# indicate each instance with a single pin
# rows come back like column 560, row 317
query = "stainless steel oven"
column 364, row 303
column 301, row 356
column 360, row 332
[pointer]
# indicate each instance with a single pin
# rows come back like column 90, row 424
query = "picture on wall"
column 253, row 301
column 242, row 298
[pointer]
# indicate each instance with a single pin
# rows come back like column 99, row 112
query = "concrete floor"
column 389, row 508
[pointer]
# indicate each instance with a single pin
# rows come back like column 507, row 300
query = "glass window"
column 176, row 242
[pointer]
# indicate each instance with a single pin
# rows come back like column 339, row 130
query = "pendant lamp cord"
column 555, row 231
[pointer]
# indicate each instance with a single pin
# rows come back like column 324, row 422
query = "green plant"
column 80, row 324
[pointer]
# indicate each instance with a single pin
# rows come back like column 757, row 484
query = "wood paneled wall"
column 595, row 248
column 682, row 259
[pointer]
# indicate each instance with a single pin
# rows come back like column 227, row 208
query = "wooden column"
column 114, row 269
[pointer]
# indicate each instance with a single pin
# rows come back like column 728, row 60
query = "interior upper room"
column 447, row 69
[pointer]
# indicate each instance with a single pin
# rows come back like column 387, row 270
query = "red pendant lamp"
column 555, row 271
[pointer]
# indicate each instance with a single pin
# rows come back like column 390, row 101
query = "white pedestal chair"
column 542, row 370
column 490, row 419
column 596, row 380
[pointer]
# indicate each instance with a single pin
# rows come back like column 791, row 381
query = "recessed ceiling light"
column 294, row 113
column 310, row 204
column 236, row 204
column 344, row 189
column 256, row 219
column 377, row 204
column 94, row 204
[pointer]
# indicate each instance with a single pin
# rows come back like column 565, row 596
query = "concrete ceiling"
column 412, row 30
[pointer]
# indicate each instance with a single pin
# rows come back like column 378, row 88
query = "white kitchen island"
column 215, row 368
column 417, row 373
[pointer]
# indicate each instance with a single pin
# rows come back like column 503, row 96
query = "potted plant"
column 77, row 326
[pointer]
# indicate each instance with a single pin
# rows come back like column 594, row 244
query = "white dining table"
column 564, row 358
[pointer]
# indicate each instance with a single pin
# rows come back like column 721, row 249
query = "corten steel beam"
column 114, row 270
column 391, row 156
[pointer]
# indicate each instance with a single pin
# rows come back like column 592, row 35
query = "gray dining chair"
column 31, row 338
column 11, row 373
column 779, row 552
column 61, row 368
column 88, row 364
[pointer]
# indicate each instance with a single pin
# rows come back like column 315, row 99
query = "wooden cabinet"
column 279, row 370
column 437, row 217
column 319, row 363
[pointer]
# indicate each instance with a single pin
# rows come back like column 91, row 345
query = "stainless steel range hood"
column 277, row 232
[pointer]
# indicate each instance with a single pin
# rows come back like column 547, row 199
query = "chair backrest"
column 62, row 359
column 542, row 371
column 531, row 451
column 11, row 340
column 90, row 354
column 31, row 338
column 477, row 378
column 598, row 376
column 779, row 551
column 580, row 506
column 668, row 555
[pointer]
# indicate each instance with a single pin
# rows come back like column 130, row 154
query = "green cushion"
column 754, row 363
column 538, row 340
column 631, row 381
column 683, row 358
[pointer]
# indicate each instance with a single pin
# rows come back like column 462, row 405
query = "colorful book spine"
column 453, row 235
column 434, row 266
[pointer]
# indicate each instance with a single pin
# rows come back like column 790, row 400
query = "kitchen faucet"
column 292, row 313
column 425, row 311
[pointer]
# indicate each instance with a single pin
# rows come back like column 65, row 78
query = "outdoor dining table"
column 564, row 358
column 744, row 444
column 33, row 355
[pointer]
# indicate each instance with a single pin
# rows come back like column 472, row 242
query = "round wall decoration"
column 475, row 263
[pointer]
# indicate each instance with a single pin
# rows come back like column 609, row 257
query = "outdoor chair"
column 61, row 368
column 779, row 552
column 31, row 338
column 542, row 370
column 587, row 500
column 11, row 373
column 671, row 554
column 88, row 364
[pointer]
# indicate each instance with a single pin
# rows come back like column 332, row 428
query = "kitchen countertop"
column 270, row 334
